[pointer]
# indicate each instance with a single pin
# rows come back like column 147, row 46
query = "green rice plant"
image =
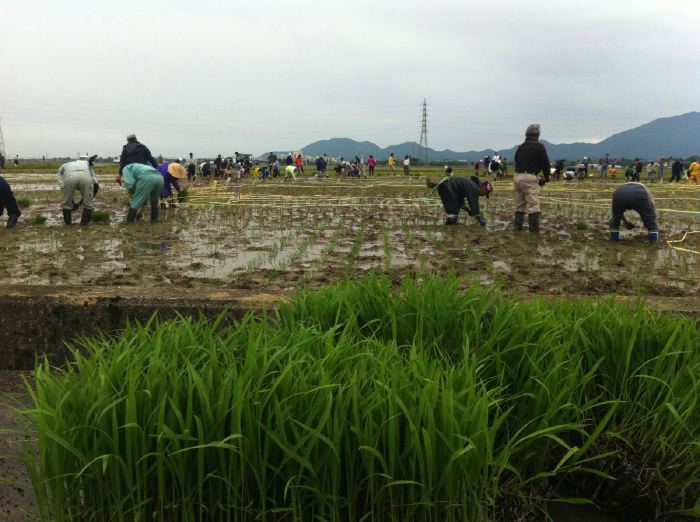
column 38, row 219
column 369, row 401
column 355, row 250
column 100, row 216
column 24, row 201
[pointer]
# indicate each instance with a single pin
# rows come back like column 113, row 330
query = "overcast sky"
column 257, row 75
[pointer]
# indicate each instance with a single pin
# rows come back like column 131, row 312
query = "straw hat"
column 177, row 171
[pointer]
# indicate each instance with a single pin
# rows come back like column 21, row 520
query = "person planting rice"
column 144, row 183
column 530, row 159
column 290, row 171
column 8, row 203
column 454, row 190
column 172, row 172
column 78, row 176
column 694, row 172
column 633, row 196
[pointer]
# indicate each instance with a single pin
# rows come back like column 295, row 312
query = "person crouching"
column 8, row 203
column 144, row 184
column 77, row 176
column 461, row 192
column 633, row 196
column 172, row 172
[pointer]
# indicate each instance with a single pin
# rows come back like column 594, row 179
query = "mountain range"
column 675, row 136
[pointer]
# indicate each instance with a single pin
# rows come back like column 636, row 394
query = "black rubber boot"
column 131, row 216
column 533, row 221
column 85, row 217
column 12, row 221
column 154, row 214
column 67, row 218
column 451, row 221
column 519, row 220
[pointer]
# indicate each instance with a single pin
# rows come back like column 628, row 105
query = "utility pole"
column 2, row 142
column 424, row 133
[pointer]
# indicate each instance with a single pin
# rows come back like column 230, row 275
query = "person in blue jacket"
column 633, row 196
column 461, row 193
column 172, row 172
column 8, row 203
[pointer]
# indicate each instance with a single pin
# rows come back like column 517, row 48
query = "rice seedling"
column 100, row 216
column 38, row 219
column 24, row 201
column 365, row 401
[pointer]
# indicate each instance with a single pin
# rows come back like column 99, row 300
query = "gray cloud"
column 252, row 76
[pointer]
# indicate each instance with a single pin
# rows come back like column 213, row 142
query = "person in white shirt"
column 407, row 165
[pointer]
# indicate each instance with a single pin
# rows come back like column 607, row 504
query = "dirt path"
column 16, row 497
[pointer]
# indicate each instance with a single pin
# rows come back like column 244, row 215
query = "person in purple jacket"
column 172, row 172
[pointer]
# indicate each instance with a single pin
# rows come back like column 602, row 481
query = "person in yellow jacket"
column 391, row 163
column 694, row 171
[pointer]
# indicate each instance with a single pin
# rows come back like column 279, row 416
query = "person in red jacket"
column 371, row 162
column 299, row 164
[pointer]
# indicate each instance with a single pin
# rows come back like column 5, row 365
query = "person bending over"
column 461, row 193
column 633, row 196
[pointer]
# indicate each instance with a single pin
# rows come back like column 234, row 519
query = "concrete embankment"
column 38, row 320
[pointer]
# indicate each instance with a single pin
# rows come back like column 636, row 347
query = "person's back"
column 135, row 152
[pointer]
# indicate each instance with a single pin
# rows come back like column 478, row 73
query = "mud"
column 276, row 237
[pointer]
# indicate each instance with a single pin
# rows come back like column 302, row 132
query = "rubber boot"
column 85, row 217
column 67, row 218
column 519, row 220
column 154, row 214
column 451, row 220
column 131, row 216
column 533, row 222
column 12, row 221
column 614, row 235
column 653, row 236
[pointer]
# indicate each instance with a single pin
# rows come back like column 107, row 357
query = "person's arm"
column 545, row 164
column 150, row 158
column 61, row 174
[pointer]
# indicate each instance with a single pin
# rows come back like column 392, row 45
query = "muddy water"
column 280, row 236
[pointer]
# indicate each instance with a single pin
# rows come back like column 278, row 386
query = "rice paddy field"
column 277, row 236
column 412, row 371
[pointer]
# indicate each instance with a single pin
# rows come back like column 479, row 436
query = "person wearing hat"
column 172, row 172
column 454, row 190
column 8, row 203
column 77, row 176
column 530, row 159
column 144, row 184
column 134, row 152
column 633, row 196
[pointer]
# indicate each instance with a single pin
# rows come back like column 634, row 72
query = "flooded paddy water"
column 277, row 236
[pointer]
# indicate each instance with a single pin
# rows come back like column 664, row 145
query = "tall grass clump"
column 365, row 401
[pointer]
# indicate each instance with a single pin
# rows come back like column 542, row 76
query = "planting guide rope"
column 227, row 196
column 672, row 243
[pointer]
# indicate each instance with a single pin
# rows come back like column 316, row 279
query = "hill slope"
column 676, row 136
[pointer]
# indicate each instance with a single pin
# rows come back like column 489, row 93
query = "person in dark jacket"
column 8, row 203
column 461, row 192
column 676, row 171
column 134, row 152
column 530, row 159
column 633, row 196
column 321, row 167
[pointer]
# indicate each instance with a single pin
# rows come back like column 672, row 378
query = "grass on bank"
column 368, row 402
